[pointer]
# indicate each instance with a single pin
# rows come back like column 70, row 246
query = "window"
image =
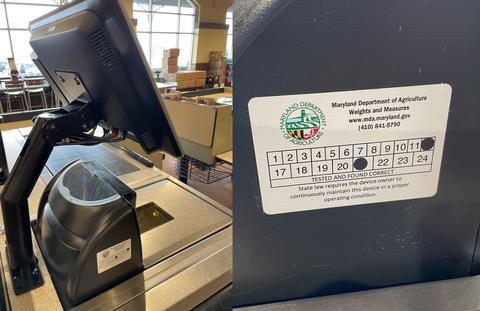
column 14, row 36
column 229, row 22
column 165, row 24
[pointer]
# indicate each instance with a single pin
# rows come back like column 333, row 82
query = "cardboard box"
column 216, row 55
column 170, row 69
column 190, row 75
column 200, row 82
column 195, row 74
column 171, row 53
column 222, row 61
column 180, row 76
column 185, row 84
column 181, row 85
column 170, row 60
column 214, row 65
column 200, row 74
column 218, row 67
column 190, row 83
column 217, row 73
column 175, row 95
column 207, row 100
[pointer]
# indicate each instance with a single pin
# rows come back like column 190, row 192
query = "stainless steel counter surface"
column 448, row 295
column 186, row 260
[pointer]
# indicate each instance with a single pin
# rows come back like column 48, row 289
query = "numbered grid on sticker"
column 274, row 158
column 280, row 172
column 387, row 147
column 363, row 164
column 304, row 155
column 373, row 149
column 383, row 161
column 318, row 154
column 423, row 157
column 360, row 150
column 289, row 156
column 332, row 153
column 347, row 158
column 403, row 159
column 346, row 151
column 401, row 146
column 322, row 167
column 414, row 145
column 301, row 169
column 342, row 166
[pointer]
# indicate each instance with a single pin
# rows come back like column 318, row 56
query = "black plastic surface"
column 88, row 52
column 300, row 47
column 89, row 210
column 63, row 155
column 3, row 160
column 94, row 41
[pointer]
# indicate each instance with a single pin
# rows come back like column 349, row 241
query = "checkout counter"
column 204, row 130
column 203, row 125
column 186, row 248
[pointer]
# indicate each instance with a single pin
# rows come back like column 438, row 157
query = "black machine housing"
column 89, row 54
column 340, row 45
column 93, row 41
column 84, row 212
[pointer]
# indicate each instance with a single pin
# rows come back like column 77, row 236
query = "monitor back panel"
column 315, row 47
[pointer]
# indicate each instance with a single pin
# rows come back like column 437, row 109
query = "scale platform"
column 186, row 237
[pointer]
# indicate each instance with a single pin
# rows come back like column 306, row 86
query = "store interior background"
column 195, row 27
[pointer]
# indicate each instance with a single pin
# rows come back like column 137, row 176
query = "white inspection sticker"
column 327, row 150
column 113, row 256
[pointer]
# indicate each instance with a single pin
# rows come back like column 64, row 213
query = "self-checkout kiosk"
column 86, row 225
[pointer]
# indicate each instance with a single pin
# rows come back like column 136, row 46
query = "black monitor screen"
column 88, row 51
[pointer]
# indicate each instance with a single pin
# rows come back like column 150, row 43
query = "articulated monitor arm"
column 49, row 129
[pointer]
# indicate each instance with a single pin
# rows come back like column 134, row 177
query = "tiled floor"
column 221, row 191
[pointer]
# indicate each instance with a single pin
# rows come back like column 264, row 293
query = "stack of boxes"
column 187, row 79
column 191, row 79
column 218, row 66
column 184, row 79
column 170, row 60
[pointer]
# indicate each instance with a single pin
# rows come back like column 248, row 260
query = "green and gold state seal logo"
column 303, row 123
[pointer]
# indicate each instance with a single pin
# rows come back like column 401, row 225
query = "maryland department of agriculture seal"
column 303, row 123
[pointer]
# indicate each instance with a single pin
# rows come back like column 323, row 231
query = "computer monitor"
column 89, row 53
column 95, row 41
